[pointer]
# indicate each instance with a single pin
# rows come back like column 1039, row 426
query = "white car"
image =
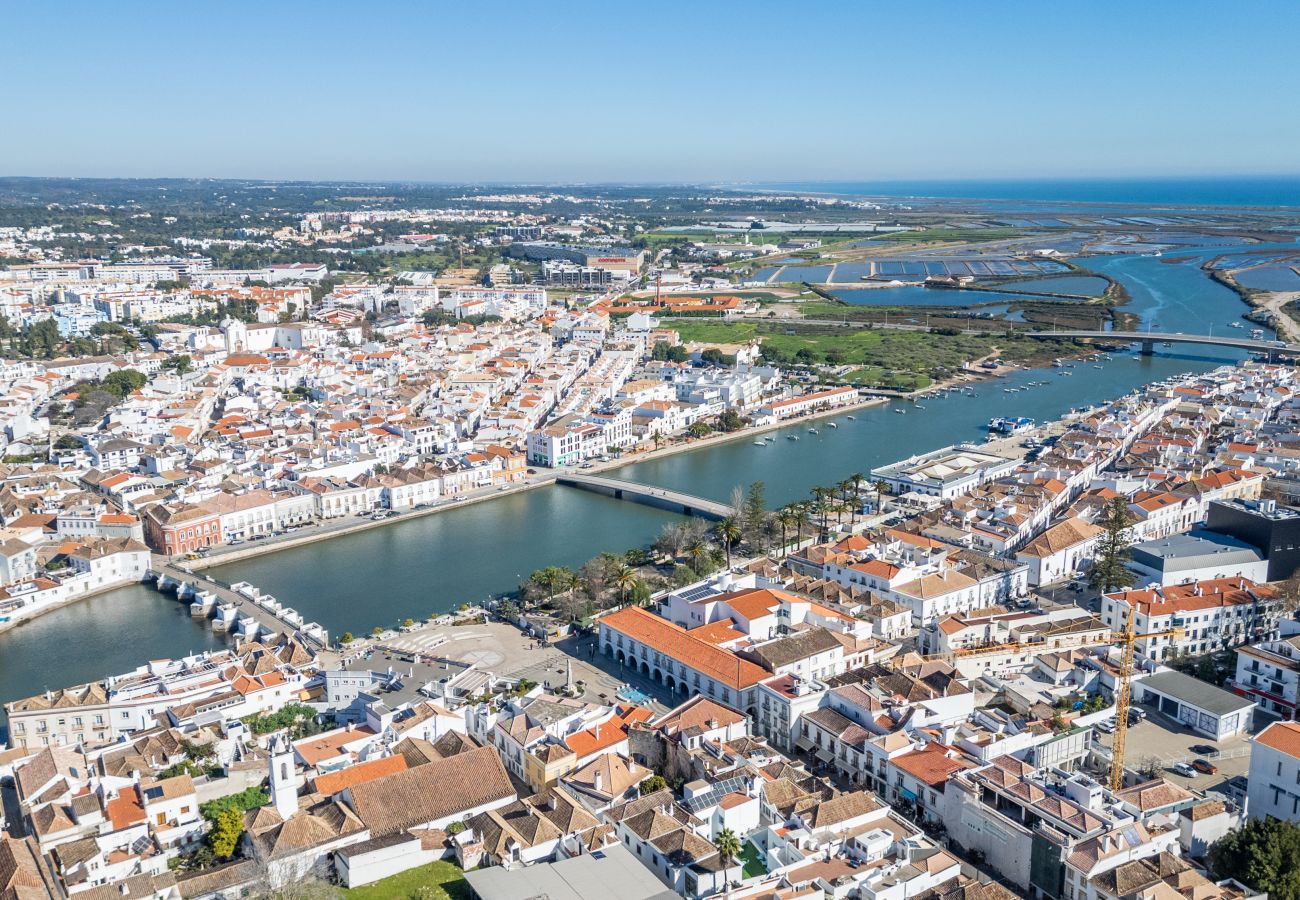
column 1184, row 769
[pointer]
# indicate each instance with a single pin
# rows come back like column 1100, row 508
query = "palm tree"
column 801, row 521
column 698, row 550
column 728, row 531
column 881, row 487
column 786, row 518
column 728, row 845
column 625, row 580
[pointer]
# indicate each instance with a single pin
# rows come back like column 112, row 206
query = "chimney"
column 599, row 781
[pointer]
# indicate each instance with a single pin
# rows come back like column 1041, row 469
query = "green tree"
column 699, row 429
column 1108, row 572
column 1264, row 854
column 652, row 784
column 346, row 638
column 881, row 488
column 730, row 420
column 180, row 364
column 728, row 845
column 625, row 579
column 728, row 531
column 754, row 511
column 225, row 833
column 124, row 381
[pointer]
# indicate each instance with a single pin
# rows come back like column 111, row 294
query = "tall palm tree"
column 880, row 487
column 786, row 518
column 728, row 846
column 728, row 531
column 698, row 550
column 801, row 521
column 625, row 579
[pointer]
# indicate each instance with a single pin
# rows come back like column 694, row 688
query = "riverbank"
column 23, row 616
column 325, row 532
column 1268, row 304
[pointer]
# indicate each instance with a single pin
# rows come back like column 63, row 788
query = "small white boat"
column 919, row 406
column 792, row 437
column 812, row 431
column 850, row 417
column 760, row 443
column 832, row 425
column 901, row 412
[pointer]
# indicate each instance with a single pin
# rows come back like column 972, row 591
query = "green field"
column 437, row 881
column 877, row 355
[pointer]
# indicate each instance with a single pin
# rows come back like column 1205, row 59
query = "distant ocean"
column 1278, row 190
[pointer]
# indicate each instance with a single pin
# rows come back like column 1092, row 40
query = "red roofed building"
column 918, row 777
column 671, row 655
column 1209, row 612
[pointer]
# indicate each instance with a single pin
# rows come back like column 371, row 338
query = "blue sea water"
column 1271, row 190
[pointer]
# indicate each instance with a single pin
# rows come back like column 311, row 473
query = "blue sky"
column 655, row 91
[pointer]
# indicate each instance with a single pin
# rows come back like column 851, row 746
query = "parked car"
column 1183, row 769
column 1203, row 749
column 1106, row 725
column 1205, row 767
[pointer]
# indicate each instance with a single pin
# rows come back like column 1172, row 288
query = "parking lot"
column 1161, row 741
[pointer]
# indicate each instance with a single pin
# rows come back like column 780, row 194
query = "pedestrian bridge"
column 1150, row 338
column 675, row 501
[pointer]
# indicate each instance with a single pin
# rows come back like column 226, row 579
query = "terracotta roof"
column 675, row 642
column 1281, row 736
column 433, row 791
column 330, row 784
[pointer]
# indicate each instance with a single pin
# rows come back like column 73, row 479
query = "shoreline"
column 35, row 614
column 263, row 548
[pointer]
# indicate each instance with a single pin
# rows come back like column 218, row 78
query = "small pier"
column 239, row 609
column 675, row 501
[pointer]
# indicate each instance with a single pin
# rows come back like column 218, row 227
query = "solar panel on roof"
column 697, row 593
column 716, row 792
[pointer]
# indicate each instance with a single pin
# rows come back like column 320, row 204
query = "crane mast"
column 1123, row 693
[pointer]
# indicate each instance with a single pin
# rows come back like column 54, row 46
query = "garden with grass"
column 439, row 880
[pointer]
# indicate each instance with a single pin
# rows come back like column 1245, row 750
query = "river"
column 431, row 564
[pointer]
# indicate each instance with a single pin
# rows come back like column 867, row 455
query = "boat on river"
column 812, row 431
column 832, row 425
column 760, row 443
column 850, row 418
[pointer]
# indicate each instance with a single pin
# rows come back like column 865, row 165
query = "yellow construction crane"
column 1127, row 638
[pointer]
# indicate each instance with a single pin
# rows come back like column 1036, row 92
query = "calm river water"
column 431, row 564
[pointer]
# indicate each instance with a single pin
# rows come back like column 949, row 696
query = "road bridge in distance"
column 1149, row 339
column 648, row 495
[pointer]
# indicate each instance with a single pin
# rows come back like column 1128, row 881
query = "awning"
column 826, row 756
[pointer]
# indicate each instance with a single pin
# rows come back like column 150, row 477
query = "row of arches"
column 651, row 671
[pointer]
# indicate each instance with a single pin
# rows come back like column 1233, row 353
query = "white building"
column 1274, row 783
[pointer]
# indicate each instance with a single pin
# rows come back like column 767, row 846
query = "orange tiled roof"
column 333, row 782
column 675, row 642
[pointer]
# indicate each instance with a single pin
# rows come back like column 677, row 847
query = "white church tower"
column 284, row 778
